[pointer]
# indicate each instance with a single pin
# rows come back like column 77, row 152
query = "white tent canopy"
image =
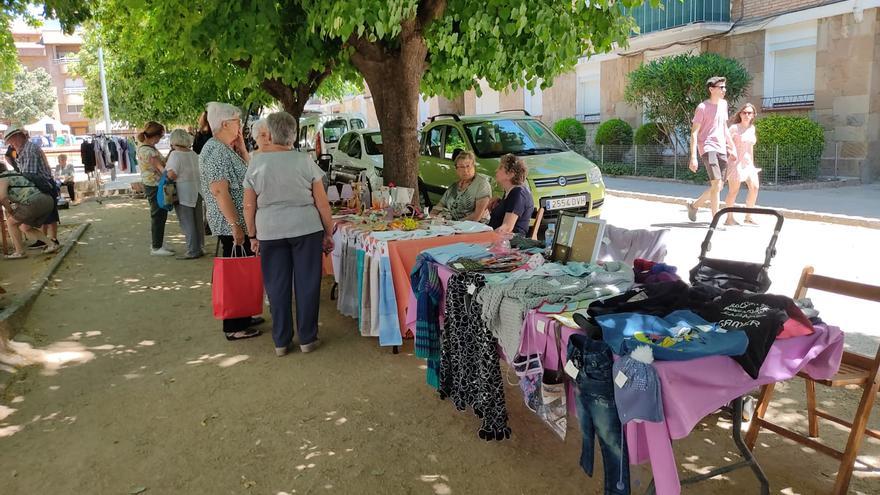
column 39, row 127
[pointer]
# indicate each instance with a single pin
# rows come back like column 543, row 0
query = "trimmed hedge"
column 617, row 134
column 800, row 141
column 570, row 130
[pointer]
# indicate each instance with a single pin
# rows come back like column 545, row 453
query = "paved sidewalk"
column 860, row 201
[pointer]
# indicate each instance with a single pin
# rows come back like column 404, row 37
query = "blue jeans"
column 597, row 412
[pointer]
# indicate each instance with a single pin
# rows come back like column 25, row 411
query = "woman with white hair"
column 182, row 167
column 289, row 224
column 260, row 133
column 222, row 166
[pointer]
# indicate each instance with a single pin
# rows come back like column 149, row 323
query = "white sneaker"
column 167, row 248
column 161, row 252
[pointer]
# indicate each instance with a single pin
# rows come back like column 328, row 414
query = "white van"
column 320, row 134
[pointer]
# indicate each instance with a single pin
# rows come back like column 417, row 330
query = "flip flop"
column 15, row 256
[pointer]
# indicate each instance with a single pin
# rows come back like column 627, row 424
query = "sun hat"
column 11, row 131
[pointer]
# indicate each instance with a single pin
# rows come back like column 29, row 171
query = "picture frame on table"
column 577, row 238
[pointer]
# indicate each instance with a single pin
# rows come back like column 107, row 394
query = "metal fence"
column 780, row 164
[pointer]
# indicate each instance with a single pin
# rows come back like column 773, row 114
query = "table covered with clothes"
column 371, row 269
column 640, row 355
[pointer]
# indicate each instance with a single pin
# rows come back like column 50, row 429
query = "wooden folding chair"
column 855, row 369
column 538, row 218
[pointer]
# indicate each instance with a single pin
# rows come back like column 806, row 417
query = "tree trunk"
column 394, row 76
column 394, row 84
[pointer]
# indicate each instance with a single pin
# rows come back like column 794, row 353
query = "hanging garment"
column 597, row 412
column 87, row 156
column 470, row 374
column 99, row 155
column 132, row 156
column 111, row 148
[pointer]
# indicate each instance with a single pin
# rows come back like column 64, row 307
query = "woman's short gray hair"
column 180, row 137
column 282, row 128
column 257, row 126
column 220, row 112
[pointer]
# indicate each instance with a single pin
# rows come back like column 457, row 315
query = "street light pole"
column 104, row 90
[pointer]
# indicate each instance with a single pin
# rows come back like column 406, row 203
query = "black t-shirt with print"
column 760, row 316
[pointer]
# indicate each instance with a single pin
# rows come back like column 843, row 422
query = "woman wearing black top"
column 512, row 212
column 203, row 134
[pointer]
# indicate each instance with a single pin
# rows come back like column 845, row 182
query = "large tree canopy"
column 287, row 48
column 444, row 46
column 33, row 97
column 141, row 86
column 245, row 49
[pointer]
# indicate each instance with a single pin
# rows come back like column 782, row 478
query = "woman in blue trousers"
column 289, row 225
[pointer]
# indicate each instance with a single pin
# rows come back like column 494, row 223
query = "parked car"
column 559, row 178
column 358, row 151
column 320, row 134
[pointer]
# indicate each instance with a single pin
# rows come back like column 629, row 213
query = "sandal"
column 51, row 248
column 750, row 221
column 731, row 222
column 16, row 256
column 243, row 334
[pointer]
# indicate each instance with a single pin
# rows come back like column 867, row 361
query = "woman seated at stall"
column 512, row 212
column 468, row 198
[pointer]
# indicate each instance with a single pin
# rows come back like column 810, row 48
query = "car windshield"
column 373, row 143
column 518, row 136
column 334, row 130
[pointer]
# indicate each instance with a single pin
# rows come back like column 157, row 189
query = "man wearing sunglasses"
column 710, row 137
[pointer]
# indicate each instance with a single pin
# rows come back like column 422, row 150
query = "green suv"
column 559, row 178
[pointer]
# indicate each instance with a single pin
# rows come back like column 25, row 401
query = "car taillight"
column 318, row 144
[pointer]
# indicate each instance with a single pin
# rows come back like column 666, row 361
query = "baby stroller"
column 728, row 274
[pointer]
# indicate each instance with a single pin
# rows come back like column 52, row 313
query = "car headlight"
column 595, row 175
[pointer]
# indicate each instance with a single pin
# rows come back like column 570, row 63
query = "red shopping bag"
column 237, row 287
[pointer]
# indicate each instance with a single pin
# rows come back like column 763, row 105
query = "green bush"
column 800, row 142
column 649, row 133
column 616, row 135
column 570, row 130
column 650, row 141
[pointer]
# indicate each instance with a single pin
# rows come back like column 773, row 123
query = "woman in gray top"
column 289, row 224
column 468, row 198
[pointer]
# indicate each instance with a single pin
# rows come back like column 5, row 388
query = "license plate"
column 569, row 202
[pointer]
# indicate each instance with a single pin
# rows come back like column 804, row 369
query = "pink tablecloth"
column 693, row 389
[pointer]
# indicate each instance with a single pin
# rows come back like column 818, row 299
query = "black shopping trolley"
column 729, row 274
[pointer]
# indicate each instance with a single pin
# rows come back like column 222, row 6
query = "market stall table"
column 372, row 271
column 689, row 396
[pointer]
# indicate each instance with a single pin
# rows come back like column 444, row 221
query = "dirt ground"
column 135, row 390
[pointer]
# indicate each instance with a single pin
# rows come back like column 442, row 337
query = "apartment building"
column 809, row 57
column 55, row 52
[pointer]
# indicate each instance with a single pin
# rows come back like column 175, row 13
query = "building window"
column 589, row 95
column 790, row 66
column 533, row 101
column 489, row 102
column 74, row 108
column 67, row 54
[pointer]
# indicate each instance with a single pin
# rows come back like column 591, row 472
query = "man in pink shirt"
column 710, row 137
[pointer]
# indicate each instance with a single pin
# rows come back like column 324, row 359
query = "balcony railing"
column 675, row 13
column 790, row 101
column 75, row 90
column 65, row 60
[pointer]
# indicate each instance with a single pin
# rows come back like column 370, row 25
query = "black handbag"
column 741, row 275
